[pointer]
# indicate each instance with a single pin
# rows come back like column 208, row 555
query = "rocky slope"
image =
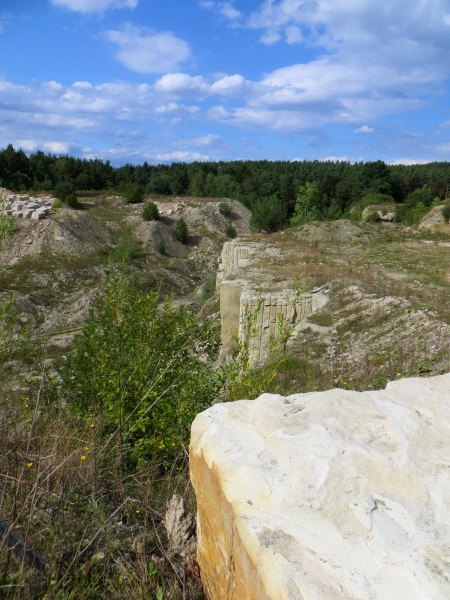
column 326, row 496
column 359, row 303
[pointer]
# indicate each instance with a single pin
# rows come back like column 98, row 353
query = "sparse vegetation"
column 225, row 209
column 446, row 212
column 231, row 231
column 8, row 227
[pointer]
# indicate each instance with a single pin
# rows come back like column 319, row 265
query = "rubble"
column 26, row 207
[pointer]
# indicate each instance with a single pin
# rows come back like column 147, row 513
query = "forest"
column 277, row 192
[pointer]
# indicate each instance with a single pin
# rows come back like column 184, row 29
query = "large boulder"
column 327, row 495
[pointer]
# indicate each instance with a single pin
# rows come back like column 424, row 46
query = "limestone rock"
column 327, row 495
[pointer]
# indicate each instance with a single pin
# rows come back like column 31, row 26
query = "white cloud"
column 225, row 9
column 181, row 84
column 87, row 6
column 180, row 156
column 210, row 139
column 148, row 52
column 293, row 34
column 229, row 84
column 57, row 147
column 365, row 129
column 410, row 161
column 5, row 19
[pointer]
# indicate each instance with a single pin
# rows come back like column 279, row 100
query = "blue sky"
column 135, row 80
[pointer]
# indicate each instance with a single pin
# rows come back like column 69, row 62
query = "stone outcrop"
column 327, row 495
column 254, row 304
column 384, row 212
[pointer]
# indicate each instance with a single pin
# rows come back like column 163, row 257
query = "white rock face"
column 327, row 495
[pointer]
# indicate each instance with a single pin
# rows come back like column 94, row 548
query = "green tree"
column 133, row 193
column 307, row 207
column 150, row 212
column 268, row 215
column 180, row 231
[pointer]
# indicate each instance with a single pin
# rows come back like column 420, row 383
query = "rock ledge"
column 327, row 495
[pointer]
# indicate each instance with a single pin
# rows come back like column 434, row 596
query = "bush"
column 150, row 212
column 65, row 191
column 231, row 231
column 133, row 193
column 180, row 232
column 446, row 212
column 7, row 226
column 225, row 209
column 161, row 247
column 208, row 287
column 147, row 370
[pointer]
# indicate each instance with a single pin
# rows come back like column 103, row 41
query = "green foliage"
column 421, row 195
column 307, row 206
column 225, row 209
column 161, row 247
column 208, row 287
column 133, row 193
column 65, row 191
column 8, row 226
column 150, row 212
column 446, row 212
column 373, row 217
column 146, row 370
column 375, row 198
column 410, row 214
column 231, row 231
column 268, row 215
column 180, row 231
column 126, row 249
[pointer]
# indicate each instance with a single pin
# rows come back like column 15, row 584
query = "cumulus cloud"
column 365, row 129
column 148, row 52
column 92, row 6
column 182, row 84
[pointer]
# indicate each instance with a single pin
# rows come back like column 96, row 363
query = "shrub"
column 446, row 212
column 150, row 212
column 147, row 370
column 208, row 287
column 161, row 247
column 225, row 209
column 231, row 231
column 180, row 232
column 7, row 226
column 65, row 191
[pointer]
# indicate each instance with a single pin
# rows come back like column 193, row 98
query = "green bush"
column 147, row 370
column 373, row 217
column 7, row 226
column 65, row 191
column 446, row 212
column 161, row 247
column 180, row 231
column 225, row 209
column 231, row 231
column 208, row 287
column 150, row 212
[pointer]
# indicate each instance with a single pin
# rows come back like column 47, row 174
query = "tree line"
column 275, row 191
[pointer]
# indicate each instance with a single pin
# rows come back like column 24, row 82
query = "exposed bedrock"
column 255, row 305
column 327, row 495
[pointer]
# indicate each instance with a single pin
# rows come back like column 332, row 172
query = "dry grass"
column 66, row 496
